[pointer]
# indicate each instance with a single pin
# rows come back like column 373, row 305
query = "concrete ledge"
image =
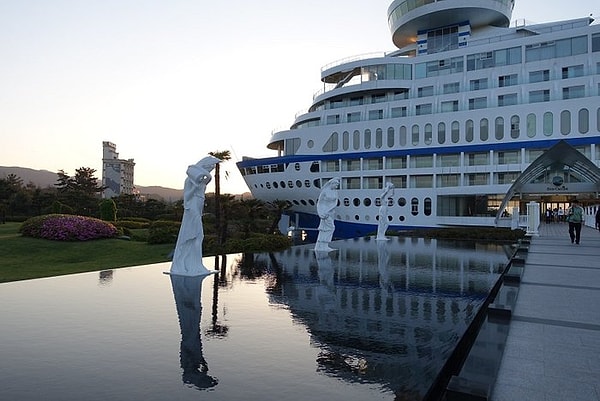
column 499, row 312
column 461, row 389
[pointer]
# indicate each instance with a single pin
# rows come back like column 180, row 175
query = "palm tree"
column 277, row 207
column 223, row 155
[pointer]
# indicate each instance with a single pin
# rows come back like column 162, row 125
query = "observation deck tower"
column 423, row 21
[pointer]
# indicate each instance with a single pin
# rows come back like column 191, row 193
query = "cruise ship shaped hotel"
column 470, row 118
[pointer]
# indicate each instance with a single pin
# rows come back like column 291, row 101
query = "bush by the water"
column 163, row 232
column 65, row 227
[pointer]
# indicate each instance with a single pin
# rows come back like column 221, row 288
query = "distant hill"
column 45, row 179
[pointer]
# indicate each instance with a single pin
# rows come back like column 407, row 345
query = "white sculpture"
column 187, row 259
column 384, row 221
column 326, row 205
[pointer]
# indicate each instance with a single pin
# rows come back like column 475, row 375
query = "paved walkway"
column 552, row 351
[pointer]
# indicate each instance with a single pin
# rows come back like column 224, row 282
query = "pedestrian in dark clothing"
column 575, row 219
column 598, row 219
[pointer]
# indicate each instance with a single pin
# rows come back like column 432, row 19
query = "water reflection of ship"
column 187, row 292
column 386, row 312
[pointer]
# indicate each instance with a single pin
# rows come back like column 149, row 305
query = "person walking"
column 598, row 219
column 575, row 219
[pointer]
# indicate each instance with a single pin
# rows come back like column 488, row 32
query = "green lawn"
column 24, row 258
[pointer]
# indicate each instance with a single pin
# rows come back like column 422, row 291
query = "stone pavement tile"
column 567, row 388
column 556, row 303
column 582, row 277
column 509, row 392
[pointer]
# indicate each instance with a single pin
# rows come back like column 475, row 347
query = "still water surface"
column 373, row 320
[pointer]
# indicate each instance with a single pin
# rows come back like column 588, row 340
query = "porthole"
column 367, row 202
column 290, row 184
column 402, row 218
column 346, row 202
column 377, row 202
column 402, row 202
column 282, row 183
column 356, row 217
column 356, row 202
column 299, row 183
column 311, row 202
column 390, row 218
column 275, row 184
column 307, row 183
column 303, row 202
column 297, row 166
column 296, row 202
column 310, row 144
column 268, row 184
column 367, row 218
column 317, row 183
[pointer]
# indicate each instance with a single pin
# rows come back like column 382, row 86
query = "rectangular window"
column 452, row 160
column 556, row 48
column 453, row 87
column 477, row 179
column 333, row 119
column 449, row 106
column 395, row 162
column 421, row 161
column 373, row 164
column 351, row 165
column 421, row 181
column 509, row 99
column 448, row 180
column 572, row 71
column 351, row 183
column 539, row 96
column 353, row 117
column 399, row 181
column 478, row 84
column 356, row 101
column 378, row 98
column 574, row 92
column 508, row 80
column 478, row 159
column 596, row 42
column 480, row 61
column 425, row 91
column 375, row 114
column 509, row 157
column 539, row 76
column 399, row 112
column 477, row 103
column 373, row 182
column 506, row 178
column 331, row 165
column 423, row 109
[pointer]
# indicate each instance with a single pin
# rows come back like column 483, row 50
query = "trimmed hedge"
column 66, row 227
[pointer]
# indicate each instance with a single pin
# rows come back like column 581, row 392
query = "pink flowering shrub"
column 65, row 227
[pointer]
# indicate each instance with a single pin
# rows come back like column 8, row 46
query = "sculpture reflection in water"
column 326, row 205
column 383, row 215
column 385, row 312
column 187, row 259
column 187, row 292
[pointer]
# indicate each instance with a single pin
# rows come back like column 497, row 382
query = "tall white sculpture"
column 326, row 205
column 187, row 259
column 384, row 222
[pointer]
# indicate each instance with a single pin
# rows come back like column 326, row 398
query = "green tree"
column 277, row 207
column 108, row 210
column 223, row 155
column 80, row 192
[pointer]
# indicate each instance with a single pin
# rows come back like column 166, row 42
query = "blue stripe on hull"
column 343, row 229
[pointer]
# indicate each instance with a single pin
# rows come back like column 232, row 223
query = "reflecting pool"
column 373, row 320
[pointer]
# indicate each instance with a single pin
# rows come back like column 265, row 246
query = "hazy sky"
column 168, row 81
